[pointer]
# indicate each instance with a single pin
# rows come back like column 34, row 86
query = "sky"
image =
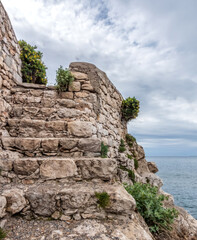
column 148, row 49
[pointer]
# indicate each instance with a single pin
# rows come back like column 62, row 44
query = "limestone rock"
column 3, row 203
column 104, row 169
column 152, row 167
column 42, row 199
column 25, row 167
column 15, row 200
column 80, row 129
column 54, row 169
column 74, row 87
column 90, row 144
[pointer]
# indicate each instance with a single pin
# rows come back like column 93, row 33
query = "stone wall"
column 10, row 63
column 42, row 121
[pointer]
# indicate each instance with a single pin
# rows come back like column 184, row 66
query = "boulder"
column 15, row 200
column 152, row 167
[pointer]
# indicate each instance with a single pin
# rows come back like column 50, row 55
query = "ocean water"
column 179, row 175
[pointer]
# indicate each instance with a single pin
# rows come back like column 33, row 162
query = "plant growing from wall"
column 104, row 150
column 136, row 164
column 130, row 140
column 33, row 69
column 63, row 79
column 149, row 205
column 130, row 108
column 2, row 233
column 122, row 146
column 103, row 199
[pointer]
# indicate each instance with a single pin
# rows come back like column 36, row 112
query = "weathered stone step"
column 50, row 113
column 66, row 200
column 68, row 147
column 29, row 170
column 36, row 128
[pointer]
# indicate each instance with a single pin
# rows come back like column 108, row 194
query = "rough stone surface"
column 152, row 167
column 3, row 203
column 15, row 200
column 52, row 169
column 61, row 133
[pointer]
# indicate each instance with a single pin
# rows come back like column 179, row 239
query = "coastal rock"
column 152, row 167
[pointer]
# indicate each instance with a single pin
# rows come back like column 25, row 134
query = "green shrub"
column 136, row 164
column 63, row 79
column 131, row 173
column 33, row 69
column 130, row 108
column 129, row 156
column 130, row 140
column 122, row 146
column 104, row 150
column 149, row 205
column 103, row 199
column 2, row 233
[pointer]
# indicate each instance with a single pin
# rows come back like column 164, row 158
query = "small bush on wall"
column 104, row 150
column 33, row 69
column 130, row 108
column 63, row 79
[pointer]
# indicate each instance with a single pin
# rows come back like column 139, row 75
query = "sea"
column 179, row 175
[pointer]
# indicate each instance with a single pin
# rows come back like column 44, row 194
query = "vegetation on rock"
column 33, row 69
column 131, row 173
column 63, row 79
column 130, row 140
column 149, row 205
column 2, row 233
column 104, row 150
column 130, row 108
column 136, row 164
column 122, row 146
column 103, row 199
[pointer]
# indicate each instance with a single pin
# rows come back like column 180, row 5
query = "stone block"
column 67, row 103
column 25, row 167
column 74, row 87
column 68, row 143
column 50, row 145
column 80, row 129
column 90, row 144
column 67, row 95
column 55, row 169
column 27, row 144
column 102, row 168
column 79, row 75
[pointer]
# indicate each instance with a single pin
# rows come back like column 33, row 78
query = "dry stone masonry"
column 50, row 152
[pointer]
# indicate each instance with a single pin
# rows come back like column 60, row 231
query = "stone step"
column 50, row 113
column 29, row 170
column 37, row 128
column 67, row 147
column 66, row 201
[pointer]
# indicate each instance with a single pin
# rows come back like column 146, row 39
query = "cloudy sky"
column 148, row 48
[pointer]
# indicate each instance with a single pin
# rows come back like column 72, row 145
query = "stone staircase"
column 51, row 165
